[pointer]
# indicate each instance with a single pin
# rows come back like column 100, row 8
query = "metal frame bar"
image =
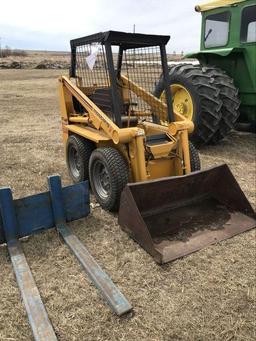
column 72, row 70
column 167, row 83
column 119, row 60
column 116, row 300
column 37, row 314
column 116, row 100
column 127, row 40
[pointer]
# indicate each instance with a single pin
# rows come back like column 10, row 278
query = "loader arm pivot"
column 156, row 104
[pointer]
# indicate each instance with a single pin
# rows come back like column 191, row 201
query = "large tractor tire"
column 195, row 96
column 78, row 152
column 109, row 173
column 230, row 102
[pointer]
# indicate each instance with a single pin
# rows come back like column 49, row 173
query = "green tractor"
column 220, row 91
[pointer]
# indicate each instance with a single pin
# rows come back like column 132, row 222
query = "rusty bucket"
column 173, row 217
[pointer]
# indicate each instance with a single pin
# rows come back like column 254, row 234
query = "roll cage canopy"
column 81, row 48
column 124, row 39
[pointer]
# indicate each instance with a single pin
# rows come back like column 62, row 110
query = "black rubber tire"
column 118, row 175
column 83, row 149
column 195, row 163
column 230, row 102
column 205, row 97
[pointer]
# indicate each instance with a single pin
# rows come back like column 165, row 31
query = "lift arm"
column 96, row 116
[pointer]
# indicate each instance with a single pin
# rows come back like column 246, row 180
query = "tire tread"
column 119, row 172
column 85, row 148
column 230, row 101
column 209, row 114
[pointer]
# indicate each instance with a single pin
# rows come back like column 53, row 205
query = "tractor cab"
column 228, row 41
column 228, row 24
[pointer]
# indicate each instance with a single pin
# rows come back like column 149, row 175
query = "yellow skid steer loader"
column 135, row 150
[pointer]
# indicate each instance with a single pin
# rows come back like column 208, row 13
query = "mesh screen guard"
column 91, row 65
column 141, row 66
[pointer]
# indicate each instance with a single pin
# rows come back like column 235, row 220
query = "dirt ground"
column 209, row 295
column 36, row 59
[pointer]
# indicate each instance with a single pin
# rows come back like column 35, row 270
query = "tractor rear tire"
column 195, row 163
column 109, row 173
column 205, row 98
column 78, row 152
column 230, row 102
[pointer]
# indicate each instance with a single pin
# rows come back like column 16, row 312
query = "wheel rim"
column 74, row 161
column 181, row 100
column 101, row 180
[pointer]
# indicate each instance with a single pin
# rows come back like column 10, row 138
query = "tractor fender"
column 223, row 52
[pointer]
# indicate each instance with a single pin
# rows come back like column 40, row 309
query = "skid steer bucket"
column 173, row 217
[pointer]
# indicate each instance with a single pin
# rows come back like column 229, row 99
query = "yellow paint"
column 78, row 119
column 137, row 159
column 216, row 4
column 66, row 106
column 88, row 133
column 161, row 168
column 161, row 150
column 155, row 103
column 146, row 161
column 185, row 151
column 174, row 127
column 153, row 128
column 182, row 101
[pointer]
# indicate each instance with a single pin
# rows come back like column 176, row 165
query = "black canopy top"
column 124, row 39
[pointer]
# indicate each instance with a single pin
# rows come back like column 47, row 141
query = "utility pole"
column 0, row 47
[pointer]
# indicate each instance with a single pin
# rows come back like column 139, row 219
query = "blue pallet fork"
column 25, row 216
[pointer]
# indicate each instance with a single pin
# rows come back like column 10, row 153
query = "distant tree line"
column 7, row 51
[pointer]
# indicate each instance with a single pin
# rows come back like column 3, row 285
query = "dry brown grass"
column 209, row 295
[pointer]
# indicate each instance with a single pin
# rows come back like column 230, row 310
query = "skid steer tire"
column 205, row 99
column 109, row 174
column 78, row 152
column 230, row 102
column 195, row 163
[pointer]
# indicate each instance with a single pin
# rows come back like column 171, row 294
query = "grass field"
column 209, row 295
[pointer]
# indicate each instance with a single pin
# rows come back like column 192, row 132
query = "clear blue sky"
column 50, row 24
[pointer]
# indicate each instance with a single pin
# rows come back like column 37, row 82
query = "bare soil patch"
column 209, row 295
column 37, row 60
